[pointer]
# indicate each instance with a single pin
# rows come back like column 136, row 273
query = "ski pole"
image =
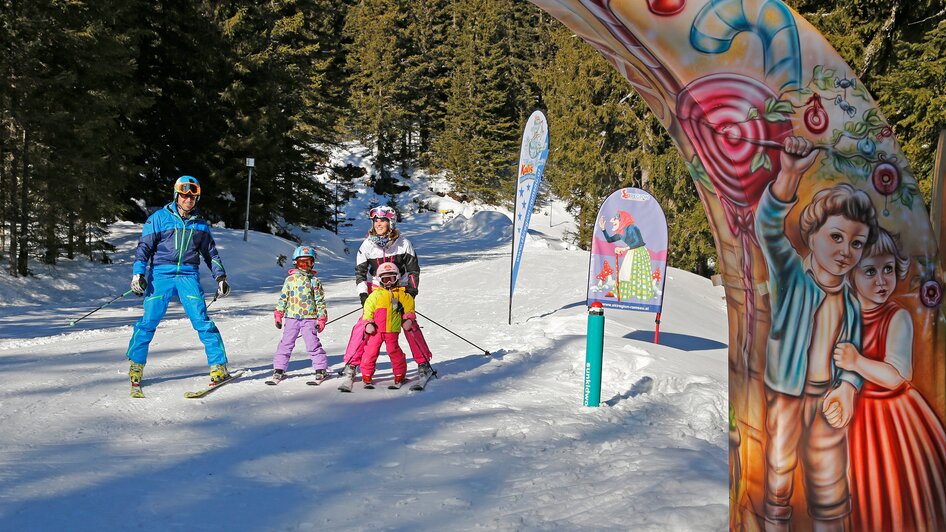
column 336, row 319
column 349, row 314
column 114, row 299
column 485, row 352
column 211, row 302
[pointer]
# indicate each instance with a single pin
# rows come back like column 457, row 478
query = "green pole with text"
column 593, row 354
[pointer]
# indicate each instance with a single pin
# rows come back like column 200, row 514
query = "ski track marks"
column 495, row 443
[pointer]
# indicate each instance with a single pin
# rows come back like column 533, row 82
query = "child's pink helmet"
column 388, row 274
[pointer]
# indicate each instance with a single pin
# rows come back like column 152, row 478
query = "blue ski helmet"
column 187, row 185
column 303, row 251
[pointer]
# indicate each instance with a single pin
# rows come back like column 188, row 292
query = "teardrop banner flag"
column 628, row 263
column 532, row 156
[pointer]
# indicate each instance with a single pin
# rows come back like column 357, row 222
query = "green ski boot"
column 134, row 373
column 218, row 373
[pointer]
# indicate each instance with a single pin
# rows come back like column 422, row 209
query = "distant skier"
column 173, row 241
column 384, row 244
column 382, row 315
column 301, row 307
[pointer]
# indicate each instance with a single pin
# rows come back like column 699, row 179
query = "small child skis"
column 301, row 308
column 384, row 310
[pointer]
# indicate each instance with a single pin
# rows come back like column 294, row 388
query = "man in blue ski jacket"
column 173, row 241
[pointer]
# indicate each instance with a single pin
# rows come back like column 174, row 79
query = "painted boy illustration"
column 809, row 401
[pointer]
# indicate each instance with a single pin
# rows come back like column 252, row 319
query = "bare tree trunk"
column 3, row 187
column 14, row 210
column 71, row 243
column 880, row 43
column 23, row 251
column 52, row 241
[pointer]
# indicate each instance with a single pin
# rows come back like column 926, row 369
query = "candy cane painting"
column 833, row 284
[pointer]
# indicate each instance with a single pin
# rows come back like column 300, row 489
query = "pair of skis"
column 419, row 385
column 315, row 381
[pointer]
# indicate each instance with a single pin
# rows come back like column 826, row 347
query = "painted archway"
column 833, row 284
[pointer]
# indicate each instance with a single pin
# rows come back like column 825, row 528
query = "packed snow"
column 498, row 442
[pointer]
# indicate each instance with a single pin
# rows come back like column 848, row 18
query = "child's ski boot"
column 424, row 374
column 320, row 375
column 348, row 378
column 398, row 382
column 425, row 370
column 278, row 376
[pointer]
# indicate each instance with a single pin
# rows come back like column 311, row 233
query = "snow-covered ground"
column 499, row 442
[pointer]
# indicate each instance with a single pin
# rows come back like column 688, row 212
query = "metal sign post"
column 250, row 163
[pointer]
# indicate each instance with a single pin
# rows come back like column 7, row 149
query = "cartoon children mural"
column 634, row 271
column 809, row 399
column 897, row 443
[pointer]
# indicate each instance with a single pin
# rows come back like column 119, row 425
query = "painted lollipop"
column 713, row 111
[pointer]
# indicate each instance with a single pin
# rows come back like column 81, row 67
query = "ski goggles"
column 187, row 189
column 388, row 279
column 304, row 261
column 382, row 213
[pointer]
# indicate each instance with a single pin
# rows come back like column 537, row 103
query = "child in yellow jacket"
column 301, row 308
column 385, row 309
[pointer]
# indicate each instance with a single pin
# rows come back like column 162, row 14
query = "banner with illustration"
column 834, row 288
column 532, row 156
column 628, row 263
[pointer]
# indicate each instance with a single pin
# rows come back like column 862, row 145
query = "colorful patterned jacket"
column 302, row 296
column 387, row 307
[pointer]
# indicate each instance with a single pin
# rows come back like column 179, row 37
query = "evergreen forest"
column 104, row 103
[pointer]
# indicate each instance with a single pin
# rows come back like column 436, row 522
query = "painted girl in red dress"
column 897, row 443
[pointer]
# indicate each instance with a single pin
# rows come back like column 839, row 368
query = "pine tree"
column 478, row 145
column 427, row 72
column 65, row 120
column 181, row 65
column 378, row 55
column 280, row 108
column 591, row 126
